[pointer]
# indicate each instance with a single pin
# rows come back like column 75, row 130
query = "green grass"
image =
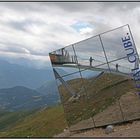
column 43, row 123
column 9, row 119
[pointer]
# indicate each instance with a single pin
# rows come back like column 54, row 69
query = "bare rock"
column 109, row 129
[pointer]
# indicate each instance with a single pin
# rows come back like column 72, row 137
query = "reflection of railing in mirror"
column 100, row 69
column 62, row 56
column 89, row 60
column 97, row 62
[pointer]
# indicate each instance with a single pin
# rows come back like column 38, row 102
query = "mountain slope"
column 9, row 119
column 43, row 123
column 48, row 88
column 22, row 98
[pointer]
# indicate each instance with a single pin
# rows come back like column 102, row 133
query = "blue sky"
column 80, row 25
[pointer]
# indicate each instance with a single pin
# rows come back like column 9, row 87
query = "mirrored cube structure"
column 97, row 79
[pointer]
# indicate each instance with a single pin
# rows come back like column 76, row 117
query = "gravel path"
column 124, row 130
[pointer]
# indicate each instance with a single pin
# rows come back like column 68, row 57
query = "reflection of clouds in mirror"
column 67, row 69
column 73, row 76
column 92, row 44
column 90, row 73
column 113, row 45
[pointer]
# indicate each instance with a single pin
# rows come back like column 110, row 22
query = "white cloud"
column 86, row 31
column 36, row 29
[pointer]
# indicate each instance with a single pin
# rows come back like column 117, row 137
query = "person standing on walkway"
column 90, row 61
column 117, row 67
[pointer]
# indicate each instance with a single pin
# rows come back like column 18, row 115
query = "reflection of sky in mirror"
column 113, row 45
column 69, row 77
column 90, row 73
column 73, row 76
column 66, row 70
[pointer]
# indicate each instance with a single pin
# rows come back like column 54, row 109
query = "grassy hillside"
column 9, row 119
column 98, row 94
column 44, row 123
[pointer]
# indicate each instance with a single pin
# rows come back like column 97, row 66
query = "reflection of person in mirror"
column 117, row 67
column 90, row 61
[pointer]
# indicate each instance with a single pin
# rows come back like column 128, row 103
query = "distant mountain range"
column 24, row 87
column 22, row 98
column 48, row 88
column 15, row 75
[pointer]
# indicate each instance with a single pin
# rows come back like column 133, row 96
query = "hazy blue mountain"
column 22, row 61
column 24, row 87
column 15, row 75
column 48, row 88
column 22, row 98
column 17, row 83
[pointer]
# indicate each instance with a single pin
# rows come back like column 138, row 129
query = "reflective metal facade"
column 96, row 80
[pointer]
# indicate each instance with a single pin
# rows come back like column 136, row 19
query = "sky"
column 29, row 31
